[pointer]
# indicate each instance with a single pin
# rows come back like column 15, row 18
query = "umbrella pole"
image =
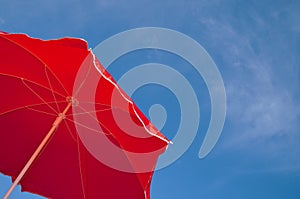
column 56, row 123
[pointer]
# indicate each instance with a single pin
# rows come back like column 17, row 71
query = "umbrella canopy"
column 66, row 128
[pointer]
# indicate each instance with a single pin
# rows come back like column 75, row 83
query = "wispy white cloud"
column 262, row 112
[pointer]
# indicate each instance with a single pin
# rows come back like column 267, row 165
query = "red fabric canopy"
column 38, row 79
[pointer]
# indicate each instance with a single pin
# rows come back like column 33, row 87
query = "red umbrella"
column 66, row 129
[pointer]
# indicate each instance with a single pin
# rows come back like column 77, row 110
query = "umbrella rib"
column 95, row 103
column 82, row 125
column 80, row 169
column 95, row 130
column 69, row 130
column 39, row 97
column 84, row 80
column 88, row 112
column 40, row 60
column 61, row 84
column 94, row 118
column 100, row 110
column 51, row 88
column 25, row 107
column 110, row 133
column 32, row 82
column 39, row 111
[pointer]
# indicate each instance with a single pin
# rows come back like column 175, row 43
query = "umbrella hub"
column 62, row 116
column 72, row 100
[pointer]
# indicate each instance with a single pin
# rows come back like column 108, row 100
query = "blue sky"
column 256, row 46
